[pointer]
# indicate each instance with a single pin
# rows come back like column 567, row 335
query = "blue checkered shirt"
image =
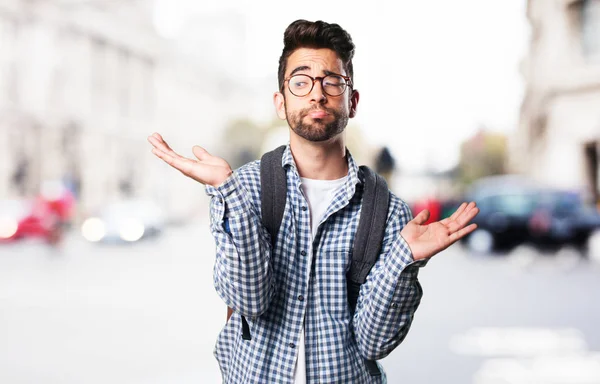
column 279, row 289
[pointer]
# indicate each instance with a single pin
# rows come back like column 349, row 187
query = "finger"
column 160, row 138
column 469, row 206
column 463, row 220
column 462, row 233
column 456, row 213
column 422, row 217
column 181, row 164
column 157, row 141
column 200, row 153
column 161, row 145
column 470, row 212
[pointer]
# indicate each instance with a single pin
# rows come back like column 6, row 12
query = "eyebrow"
column 298, row 69
column 306, row 68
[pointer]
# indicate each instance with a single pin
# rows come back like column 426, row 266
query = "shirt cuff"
column 401, row 258
column 228, row 199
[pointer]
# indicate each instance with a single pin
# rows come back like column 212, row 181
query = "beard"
column 318, row 130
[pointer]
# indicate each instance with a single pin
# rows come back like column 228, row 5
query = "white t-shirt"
column 319, row 194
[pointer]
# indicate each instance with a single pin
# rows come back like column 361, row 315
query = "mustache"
column 306, row 111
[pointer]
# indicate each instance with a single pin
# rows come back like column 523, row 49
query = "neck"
column 324, row 160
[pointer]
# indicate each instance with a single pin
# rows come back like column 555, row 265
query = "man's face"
column 317, row 116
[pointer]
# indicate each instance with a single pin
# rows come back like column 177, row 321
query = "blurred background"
column 105, row 253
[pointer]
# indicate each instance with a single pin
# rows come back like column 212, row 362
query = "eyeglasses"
column 332, row 85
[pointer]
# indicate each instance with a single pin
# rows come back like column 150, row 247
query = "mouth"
column 318, row 114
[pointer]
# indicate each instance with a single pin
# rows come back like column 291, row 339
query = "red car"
column 38, row 218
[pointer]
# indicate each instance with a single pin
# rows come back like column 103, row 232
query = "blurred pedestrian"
column 385, row 164
column 292, row 322
column 59, row 204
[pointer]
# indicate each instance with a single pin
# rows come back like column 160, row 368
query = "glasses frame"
column 320, row 79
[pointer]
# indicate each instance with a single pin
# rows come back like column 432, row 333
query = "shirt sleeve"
column 391, row 293
column 242, row 274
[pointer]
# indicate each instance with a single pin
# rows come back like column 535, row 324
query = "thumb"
column 422, row 217
column 200, row 153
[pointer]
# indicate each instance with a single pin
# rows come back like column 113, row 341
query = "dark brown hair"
column 318, row 34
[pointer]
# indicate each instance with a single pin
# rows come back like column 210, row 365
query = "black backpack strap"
column 273, row 193
column 371, row 227
column 273, row 186
column 368, row 239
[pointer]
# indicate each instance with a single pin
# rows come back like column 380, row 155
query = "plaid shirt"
column 302, row 279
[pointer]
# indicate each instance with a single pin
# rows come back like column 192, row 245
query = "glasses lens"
column 334, row 85
column 300, row 85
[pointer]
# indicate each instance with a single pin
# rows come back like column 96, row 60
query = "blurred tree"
column 482, row 155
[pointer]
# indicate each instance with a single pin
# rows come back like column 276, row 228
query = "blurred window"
column 517, row 204
column 512, row 204
column 590, row 29
column 99, row 75
column 567, row 203
column 9, row 29
column 124, row 82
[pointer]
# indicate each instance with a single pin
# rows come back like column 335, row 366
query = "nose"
column 317, row 94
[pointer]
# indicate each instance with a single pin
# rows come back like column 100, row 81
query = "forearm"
column 242, row 273
column 387, row 302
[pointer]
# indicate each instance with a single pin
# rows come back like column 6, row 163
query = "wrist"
column 221, row 180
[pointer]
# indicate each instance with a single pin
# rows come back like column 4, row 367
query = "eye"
column 334, row 81
column 300, row 81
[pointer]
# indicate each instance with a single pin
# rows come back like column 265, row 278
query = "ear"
column 354, row 97
column 279, row 102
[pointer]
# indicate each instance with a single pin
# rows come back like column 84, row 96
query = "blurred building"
column 83, row 83
column 558, row 140
column 77, row 92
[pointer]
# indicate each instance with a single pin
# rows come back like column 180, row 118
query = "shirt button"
column 292, row 345
column 303, row 253
column 304, row 208
column 394, row 305
column 301, row 298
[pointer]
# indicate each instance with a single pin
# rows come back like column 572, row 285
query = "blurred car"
column 562, row 217
column 516, row 210
column 22, row 218
column 506, row 205
column 124, row 221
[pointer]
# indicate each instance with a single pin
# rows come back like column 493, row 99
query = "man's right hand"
column 208, row 169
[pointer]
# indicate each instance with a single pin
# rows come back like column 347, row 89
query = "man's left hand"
column 427, row 240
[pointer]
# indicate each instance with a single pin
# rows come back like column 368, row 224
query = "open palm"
column 208, row 169
column 427, row 240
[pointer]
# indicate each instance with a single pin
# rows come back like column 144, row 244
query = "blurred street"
column 147, row 313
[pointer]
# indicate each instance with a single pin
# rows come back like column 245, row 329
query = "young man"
column 292, row 298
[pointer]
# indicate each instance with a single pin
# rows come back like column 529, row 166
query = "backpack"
column 369, row 234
